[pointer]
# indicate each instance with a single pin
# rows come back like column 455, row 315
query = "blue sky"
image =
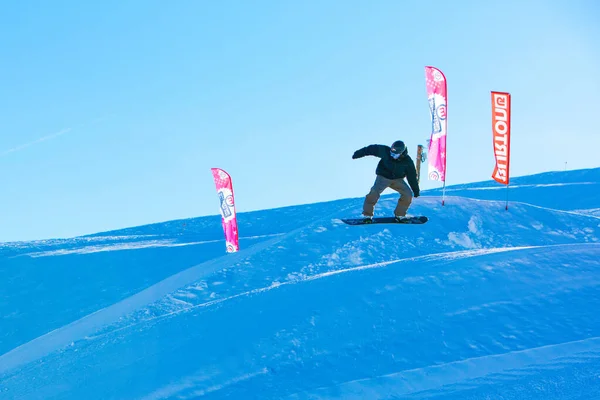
column 113, row 112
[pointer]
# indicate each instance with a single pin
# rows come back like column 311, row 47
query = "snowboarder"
column 394, row 166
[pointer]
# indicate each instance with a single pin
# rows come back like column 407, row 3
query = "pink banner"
column 227, row 205
column 436, row 95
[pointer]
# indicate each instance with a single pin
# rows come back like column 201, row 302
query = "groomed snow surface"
column 479, row 303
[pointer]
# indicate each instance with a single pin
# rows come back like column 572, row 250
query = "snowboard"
column 421, row 219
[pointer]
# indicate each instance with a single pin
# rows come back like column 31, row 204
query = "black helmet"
column 399, row 148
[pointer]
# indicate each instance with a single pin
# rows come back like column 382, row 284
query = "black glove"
column 355, row 155
column 416, row 195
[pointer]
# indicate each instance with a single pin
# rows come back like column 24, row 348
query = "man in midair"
column 394, row 166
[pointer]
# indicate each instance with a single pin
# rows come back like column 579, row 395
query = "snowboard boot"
column 402, row 219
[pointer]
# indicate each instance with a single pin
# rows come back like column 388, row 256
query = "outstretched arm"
column 376, row 150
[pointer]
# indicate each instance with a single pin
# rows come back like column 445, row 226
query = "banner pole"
column 507, row 196
column 443, row 193
column 419, row 157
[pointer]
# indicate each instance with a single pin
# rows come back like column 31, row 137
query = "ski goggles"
column 395, row 155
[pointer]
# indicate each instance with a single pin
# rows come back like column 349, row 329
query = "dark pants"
column 381, row 183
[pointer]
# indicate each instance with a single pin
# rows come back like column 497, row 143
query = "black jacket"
column 390, row 168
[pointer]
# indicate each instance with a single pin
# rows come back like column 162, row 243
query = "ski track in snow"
column 134, row 246
column 511, row 365
column 518, row 186
column 190, row 383
column 513, row 203
column 595, row 212
column 88, row 239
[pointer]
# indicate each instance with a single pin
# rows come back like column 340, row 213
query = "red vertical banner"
column 501, row 136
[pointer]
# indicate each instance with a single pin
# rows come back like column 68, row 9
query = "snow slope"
column 577, row 190
column 478, row 303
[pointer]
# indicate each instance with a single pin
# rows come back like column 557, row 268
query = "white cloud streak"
column 42, row 139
